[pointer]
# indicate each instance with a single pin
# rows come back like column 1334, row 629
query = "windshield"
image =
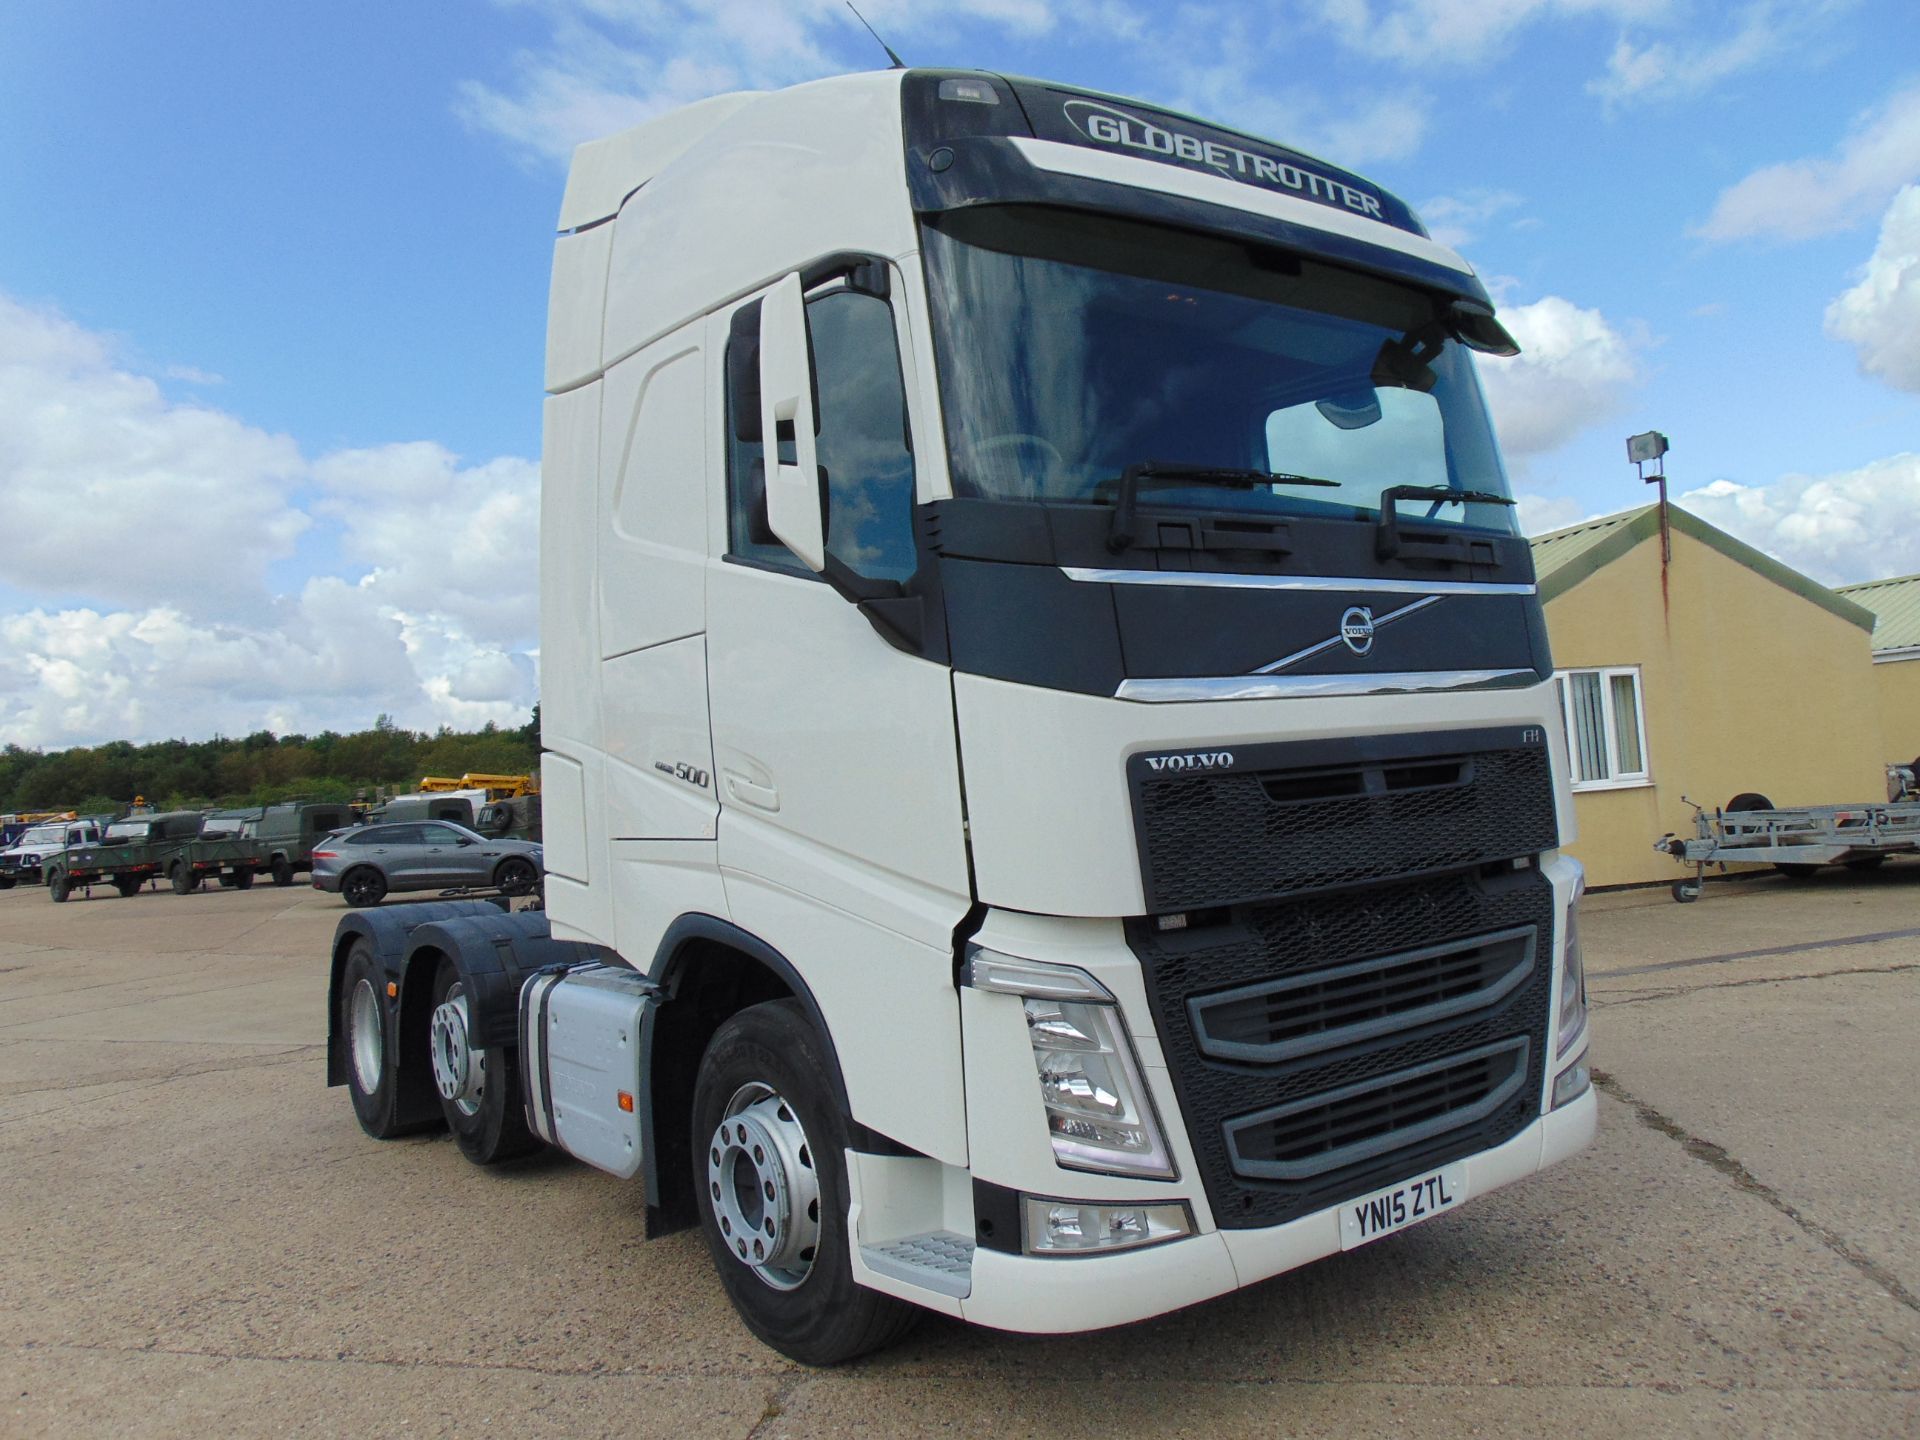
column 43, row 835
column 1074, row 346
column 128, row 830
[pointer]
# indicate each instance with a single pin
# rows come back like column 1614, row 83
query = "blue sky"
column 273, row 278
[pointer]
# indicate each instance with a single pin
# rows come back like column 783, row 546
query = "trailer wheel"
column 58, row 886
column 374, row 1079
column 1798, row 872
column 770, row 1144
column 479, row 1088
column 1865, row 862
column 282, row 872
column 363, row 886
column 185, row 882
column 1686, row 891
column 128, row 886
column 243, row 879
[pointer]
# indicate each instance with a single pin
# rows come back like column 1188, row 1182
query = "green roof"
column 1563, row 558
column 1895, row 604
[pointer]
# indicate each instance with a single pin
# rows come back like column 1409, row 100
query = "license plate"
column 1368, row 1218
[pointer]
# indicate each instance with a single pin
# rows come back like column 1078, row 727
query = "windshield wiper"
column 1127, row 488
column 1387, row 539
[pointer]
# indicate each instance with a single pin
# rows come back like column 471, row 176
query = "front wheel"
column 769, row 1151
column 7, row 882
column 363, row 887
column 381, row 1091
column 1686, row 891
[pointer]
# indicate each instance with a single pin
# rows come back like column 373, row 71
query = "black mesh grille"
column 1283, row 819
column 1252, row 945
column 1296, row 1015
column 1373, row 1117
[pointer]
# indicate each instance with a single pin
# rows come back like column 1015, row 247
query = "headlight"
column 1573, row 976
column 1099, row 1114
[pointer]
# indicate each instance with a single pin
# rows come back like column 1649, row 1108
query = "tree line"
column 261, row 769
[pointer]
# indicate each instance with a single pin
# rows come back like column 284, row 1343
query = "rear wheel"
column 363, row 887
column 479, row 1088
column 58, row 886
column 185, row 882
column 243, row 879
column 516, row 876
column 374, row 1080
column 769, row 1146
column 282, row 872
column 129, row 886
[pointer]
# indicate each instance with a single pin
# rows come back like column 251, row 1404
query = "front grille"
column 1329, row 1044
column 1367, row 1119
column 1302, row 1014
column 1288, row 818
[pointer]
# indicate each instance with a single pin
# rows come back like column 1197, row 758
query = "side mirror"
column 786, row 417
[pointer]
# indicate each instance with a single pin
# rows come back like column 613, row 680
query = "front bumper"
column 1036, row 1295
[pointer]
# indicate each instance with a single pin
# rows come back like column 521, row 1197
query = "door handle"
column 761, row 797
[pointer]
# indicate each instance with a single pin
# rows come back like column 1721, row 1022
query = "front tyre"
column 479, row 1088
column 769, row 1157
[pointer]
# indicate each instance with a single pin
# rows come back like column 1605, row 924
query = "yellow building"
column 1720, row 673
column 1896, row 659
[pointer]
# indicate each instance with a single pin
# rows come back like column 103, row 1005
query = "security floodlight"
column 1642, row 448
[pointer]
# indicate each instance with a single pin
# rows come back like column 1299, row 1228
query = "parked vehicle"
column 515, row 819
column 366, row 864
column 458, row 808
column 23, row 862
column 1080, row 833
column 169, row 846
column 290, row 831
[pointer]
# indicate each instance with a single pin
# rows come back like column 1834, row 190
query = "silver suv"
column 366, row 863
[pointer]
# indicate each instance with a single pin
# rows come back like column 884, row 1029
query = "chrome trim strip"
column 1219, row 581
column 1316, row 687
column 1288, row 661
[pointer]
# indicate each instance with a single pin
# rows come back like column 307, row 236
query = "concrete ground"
column 198, row 1240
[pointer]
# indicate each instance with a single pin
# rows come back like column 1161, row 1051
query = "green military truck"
column 289, row 833
column 171, row 847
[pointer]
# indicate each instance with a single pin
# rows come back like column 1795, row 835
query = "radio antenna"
column 898, row 63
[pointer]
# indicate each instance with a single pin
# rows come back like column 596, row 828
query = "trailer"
column 1795, row 840
column 167, row 847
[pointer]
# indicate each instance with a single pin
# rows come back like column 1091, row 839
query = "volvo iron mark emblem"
column 1356, row 628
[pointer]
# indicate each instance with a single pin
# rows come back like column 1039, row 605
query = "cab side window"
column 860, row 414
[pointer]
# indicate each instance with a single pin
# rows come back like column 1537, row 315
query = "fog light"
column 1066, row 1227
column 1572, row 1082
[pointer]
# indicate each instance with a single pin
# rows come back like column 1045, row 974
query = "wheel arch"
column 710, row 970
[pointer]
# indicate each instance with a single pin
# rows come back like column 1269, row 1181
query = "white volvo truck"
column 1053, row 790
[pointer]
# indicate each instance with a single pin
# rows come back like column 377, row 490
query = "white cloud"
column 1431, row 32
column 161, row 520
column 1880, row 315
column 1455, row 220
column 1803, row 198
column 1852, row 525
column 1574, row 368
column 1674, row 68
column 1540, row 513
column 614, row 63
column 111, row 489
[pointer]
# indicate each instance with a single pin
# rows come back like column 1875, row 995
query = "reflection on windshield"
column 1071, row 347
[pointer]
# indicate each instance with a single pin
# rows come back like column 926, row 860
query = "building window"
column 1606, row 727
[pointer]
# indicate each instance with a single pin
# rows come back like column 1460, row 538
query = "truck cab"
column 1049, row 734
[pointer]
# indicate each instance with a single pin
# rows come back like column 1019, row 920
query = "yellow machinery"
column 498, row 787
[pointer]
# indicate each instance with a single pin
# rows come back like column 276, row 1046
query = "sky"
column 273, row 284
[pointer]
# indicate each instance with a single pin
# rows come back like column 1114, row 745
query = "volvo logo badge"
column 1356, row 628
